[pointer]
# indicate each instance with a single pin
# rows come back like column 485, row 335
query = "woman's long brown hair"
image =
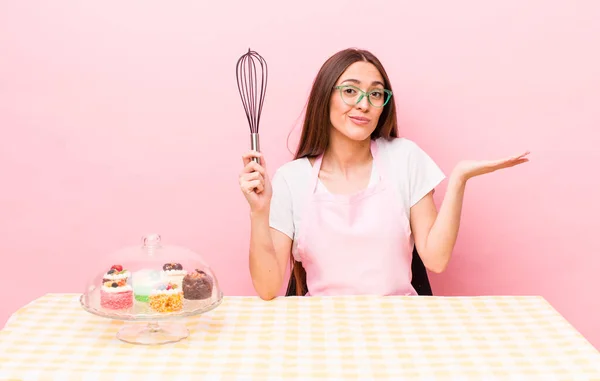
column 316, row 127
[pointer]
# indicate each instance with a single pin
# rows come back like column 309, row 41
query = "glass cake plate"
column 155, row 284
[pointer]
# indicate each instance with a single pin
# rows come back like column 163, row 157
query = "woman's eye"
column 377, row 94
column 350, row 91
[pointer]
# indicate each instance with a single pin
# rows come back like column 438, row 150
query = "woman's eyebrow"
column 358, row 82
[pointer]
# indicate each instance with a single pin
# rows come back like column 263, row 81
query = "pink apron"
column 357, row 244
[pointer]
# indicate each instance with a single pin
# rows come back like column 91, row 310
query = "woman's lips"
column 360, row 120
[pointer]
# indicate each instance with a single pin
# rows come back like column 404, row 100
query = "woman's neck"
column 344, row 155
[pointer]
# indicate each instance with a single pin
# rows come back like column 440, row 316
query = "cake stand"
column 144, row 325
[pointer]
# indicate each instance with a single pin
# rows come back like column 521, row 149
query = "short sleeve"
column 281, row 212
column 424, row 174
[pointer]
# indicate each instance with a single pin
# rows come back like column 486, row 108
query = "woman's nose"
column 363, row 104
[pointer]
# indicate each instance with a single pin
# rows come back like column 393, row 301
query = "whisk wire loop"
column 252, row 77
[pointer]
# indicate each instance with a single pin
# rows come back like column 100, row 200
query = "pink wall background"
column 121, row 118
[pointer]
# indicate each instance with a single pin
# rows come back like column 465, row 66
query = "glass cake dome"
column 152, row 282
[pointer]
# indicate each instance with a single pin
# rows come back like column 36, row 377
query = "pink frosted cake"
column 115, row 293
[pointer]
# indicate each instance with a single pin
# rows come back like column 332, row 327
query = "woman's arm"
column 435, row 233
column 269, row 248
column 269, row 255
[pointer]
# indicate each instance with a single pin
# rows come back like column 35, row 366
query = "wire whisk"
column 252, row 74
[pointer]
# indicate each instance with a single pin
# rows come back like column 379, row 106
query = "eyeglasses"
column 352, row 95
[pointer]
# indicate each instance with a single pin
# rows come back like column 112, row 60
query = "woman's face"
column 357, row 121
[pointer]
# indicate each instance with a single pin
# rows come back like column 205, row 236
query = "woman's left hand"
column 471, row 168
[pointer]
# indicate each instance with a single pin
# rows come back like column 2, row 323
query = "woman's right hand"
column 254, row 182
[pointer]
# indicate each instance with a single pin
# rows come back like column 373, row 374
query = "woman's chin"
column 357, row 133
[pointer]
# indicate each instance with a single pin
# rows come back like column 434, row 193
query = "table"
column 311, row 338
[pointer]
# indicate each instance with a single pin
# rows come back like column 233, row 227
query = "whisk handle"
column 255, row 145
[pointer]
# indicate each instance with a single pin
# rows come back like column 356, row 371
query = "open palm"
column 472, row 168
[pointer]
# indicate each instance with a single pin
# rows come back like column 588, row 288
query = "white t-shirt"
column 413, row 172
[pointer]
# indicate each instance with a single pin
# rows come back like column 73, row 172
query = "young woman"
column 348, row 210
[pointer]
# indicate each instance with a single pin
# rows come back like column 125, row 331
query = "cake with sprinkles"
column 166, row 297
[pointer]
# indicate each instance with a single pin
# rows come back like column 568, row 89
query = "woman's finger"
column 254, row 167
column 250, row 186
column 245, row 177
column 248, row 156
column 259, row 188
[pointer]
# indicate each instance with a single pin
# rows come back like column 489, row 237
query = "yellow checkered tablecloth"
column 313, row 338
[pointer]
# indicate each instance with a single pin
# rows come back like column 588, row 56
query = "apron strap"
column 314, row 176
